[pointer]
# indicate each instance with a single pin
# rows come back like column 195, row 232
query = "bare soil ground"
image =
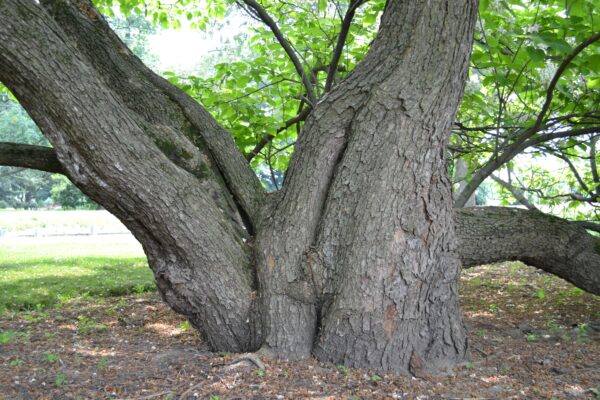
column 532, row 336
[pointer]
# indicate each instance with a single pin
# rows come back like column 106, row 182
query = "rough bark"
column 371, row 154
column 386, row 238
column 479, row 237
column 557, row 246
column 354, row 261
column 29, row 156
column 129, row 144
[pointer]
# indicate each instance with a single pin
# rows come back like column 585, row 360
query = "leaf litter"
column 532, row 335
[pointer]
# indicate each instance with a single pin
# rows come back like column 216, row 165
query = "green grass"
column 45, row 271
column 18, row 220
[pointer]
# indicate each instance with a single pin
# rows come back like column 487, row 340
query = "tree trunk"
column 353, row 261
column 123, row 137
column 563, row 248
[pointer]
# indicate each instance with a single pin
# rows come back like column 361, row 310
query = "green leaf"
column 322, row 5
column 593, row 83
column 592, row 62
column 536, row 54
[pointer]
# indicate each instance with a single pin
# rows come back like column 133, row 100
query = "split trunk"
column 353, row 261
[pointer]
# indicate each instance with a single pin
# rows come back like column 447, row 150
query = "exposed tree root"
column 244, row 359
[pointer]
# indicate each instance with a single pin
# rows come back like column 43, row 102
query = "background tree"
column 66, row 194
column 21, row 188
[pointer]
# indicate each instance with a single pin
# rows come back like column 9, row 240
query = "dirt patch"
column 531, row 336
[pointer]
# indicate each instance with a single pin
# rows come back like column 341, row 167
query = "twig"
column 268, row 138
column 483, row 353
column 152, row 396
column 190, row 390
column 341, row 42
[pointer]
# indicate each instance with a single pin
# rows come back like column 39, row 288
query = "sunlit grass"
column 45, row 271
column 17, row 220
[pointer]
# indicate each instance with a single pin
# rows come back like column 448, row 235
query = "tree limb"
column 563, row 248
column 518, row 194
column 590, row 226
column 105, row 118
column 30, row 156
column 151, row 96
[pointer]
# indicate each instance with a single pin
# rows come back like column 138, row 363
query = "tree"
column 67, row 195
column 30, row 188
column 20, row 188
column 354, row 260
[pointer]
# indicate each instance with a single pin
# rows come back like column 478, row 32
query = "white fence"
column 64, row 231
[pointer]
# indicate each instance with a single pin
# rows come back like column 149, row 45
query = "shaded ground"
column 532, row 336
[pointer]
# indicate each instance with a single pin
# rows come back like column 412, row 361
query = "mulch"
column 531, row 336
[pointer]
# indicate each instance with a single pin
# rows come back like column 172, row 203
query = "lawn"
column 47, row 270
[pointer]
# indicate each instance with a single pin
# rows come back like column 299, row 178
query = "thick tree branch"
column 257, row 10
column 30, row 156
column 590, row 226
column 560, row 247
column 129, row 147
column 151, row 96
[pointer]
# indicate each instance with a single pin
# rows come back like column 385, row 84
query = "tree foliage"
column 533, row 91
